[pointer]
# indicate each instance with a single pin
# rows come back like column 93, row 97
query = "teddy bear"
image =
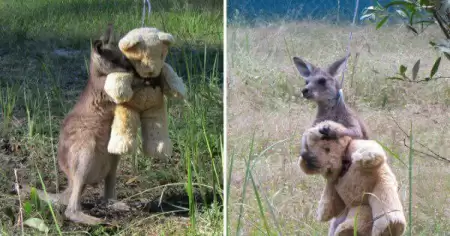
column 359, row 184
column 146, row 48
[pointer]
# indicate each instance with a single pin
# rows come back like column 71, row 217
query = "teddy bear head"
column 147, row 49
column 324, row 156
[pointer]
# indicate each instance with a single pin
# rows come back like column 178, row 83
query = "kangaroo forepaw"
column 327, row 132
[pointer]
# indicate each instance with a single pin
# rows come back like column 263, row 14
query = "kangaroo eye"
column 306, row 82
column 327, row 150
column 322, row 81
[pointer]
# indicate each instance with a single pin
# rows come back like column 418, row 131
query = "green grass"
column 45, row 54
column 266, row 119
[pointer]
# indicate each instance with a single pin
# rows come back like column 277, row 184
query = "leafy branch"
column 401, row 75
column 417, row 15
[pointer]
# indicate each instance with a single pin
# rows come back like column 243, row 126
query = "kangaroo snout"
column 306, row 93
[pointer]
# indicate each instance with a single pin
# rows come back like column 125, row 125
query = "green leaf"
column 36, row 223
column 403, row 70
column 27, row 207
column 435, row 67
column 432, row 43
column 447, row 55
column 424, row 2
column 411, row 17
column 399, row 3
column 402, row 13
column 382, row 21
column 415, row 70
column 35, row 198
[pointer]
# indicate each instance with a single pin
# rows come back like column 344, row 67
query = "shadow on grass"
column 173, row 203
column 50, row 66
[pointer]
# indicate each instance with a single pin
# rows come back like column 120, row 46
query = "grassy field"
column 265, row 121
column 44, row 55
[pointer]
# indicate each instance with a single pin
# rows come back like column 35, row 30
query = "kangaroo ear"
column 337, row 67
column 107, row 34
column 305, row 68
column 97, row 46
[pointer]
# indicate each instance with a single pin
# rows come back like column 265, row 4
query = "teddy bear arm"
column 155, row 134
column 369, row 159
column 368, row 154
column 174, row 84
column 123, row 131
column 330, row 204
column 118, row 85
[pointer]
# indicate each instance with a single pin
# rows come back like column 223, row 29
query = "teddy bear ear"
column 166, row 38
column 127, row 44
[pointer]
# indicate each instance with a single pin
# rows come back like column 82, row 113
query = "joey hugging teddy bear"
column 146, row 48
column 359, row 182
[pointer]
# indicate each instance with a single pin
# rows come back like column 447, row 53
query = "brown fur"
column 85, row 132
column 368, row 182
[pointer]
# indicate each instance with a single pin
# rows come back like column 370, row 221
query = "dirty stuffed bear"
column 146, row 49
column 359, row 182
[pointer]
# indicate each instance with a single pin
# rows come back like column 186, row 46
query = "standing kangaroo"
column 85, row 132
column 323, row 87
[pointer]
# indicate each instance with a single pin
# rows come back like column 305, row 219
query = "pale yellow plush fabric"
column 123, row 134
column 147, row 49
column 118, row 86
column 368, row 182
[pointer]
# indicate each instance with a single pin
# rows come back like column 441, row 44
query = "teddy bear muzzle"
column 311, row 161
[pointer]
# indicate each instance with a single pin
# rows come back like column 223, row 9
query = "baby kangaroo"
column 85, row 132
column 322, row 87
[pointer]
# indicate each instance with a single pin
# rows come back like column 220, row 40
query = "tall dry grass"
column 262, row 84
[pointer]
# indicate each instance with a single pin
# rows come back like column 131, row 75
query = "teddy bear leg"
column 123, row 131
column 155, row 133
column 363, row 217
column 330, row 204
column 387, row 211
